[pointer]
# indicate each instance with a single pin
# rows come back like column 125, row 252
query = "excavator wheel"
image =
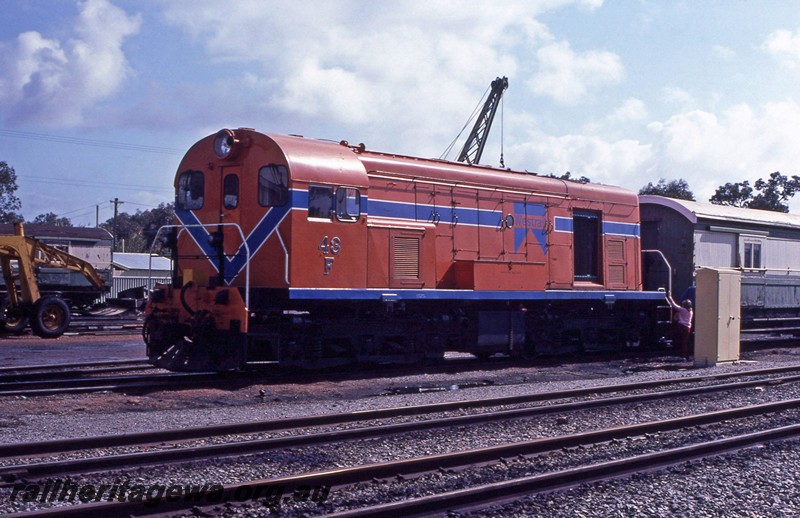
column 50, row 317
column 15, row 320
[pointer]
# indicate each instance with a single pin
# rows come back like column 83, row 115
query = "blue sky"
column 100, row 98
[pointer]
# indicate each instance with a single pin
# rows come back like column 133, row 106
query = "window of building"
column 752, row 255
column 348, row 204
column 320, row 202
column 230, row 192
column 191, row 186
column 273, row 185
column 586, row 241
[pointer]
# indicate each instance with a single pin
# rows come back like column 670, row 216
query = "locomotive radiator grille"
column 406, row 257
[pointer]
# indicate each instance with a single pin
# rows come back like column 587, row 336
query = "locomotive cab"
column 238, row 194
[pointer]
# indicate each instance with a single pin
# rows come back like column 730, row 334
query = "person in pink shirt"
column 682, row 326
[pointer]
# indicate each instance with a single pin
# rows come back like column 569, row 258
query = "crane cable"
column 469, row 120
column 502, row 131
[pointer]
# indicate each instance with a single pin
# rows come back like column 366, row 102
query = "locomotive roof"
column 693, row 211
column 307, row 152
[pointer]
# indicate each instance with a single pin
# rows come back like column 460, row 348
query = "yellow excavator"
column 48, row 316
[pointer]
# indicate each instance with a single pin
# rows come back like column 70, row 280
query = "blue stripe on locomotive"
column 447, row 294
column 528, row 218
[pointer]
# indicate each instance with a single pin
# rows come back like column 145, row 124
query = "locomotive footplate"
column 182, row 338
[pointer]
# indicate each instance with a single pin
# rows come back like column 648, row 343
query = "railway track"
column 77, row 365
column 77, row 378
column 299, row 426
column 412, row 467
column 99, row 325
column 502, row 492
column 51, row 387
column 70, row 370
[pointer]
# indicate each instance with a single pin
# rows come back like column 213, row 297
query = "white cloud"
column 632, row 110
column 742, row 143
column 707, row 150
column 724, row 53
column 678, row 97
column 567, row 76
column 603, row 161
column 785, row 46
column 361, row 63
column 54, row 83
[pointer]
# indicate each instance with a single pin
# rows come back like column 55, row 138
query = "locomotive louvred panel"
column 615, row 256
column 615, row 250
column 616, row 274
column 405, row 257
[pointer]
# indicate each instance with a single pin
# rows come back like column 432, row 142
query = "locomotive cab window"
column 320, row 202
column 348, row 204
column 230, row 192
column 586, row 243
column 273, row 185
column 191, row 187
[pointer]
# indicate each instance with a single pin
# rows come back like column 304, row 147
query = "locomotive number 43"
column 332, row 246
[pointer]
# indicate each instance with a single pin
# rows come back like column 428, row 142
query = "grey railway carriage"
column 765, row 245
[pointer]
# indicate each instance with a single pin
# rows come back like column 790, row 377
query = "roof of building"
column 129, row 261
column 693, row 210
column 58, row 232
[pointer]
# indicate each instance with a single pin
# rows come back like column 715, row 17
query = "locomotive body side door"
column 490, row 225
column 464, row 221
column 229, row 213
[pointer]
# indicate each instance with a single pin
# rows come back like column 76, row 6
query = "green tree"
column 51, row 219
column 568, row 176
column 771, row 194
column 673, row 189
column 774, row 192
column 9, row 203
column 736, row 194
column 136, row 231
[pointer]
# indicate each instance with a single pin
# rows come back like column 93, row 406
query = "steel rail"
column 65, row 375
column 199, row 432
column 93, row 464
column 81, row 385
column 509, row 490
column 53, row 366
column 419, row 465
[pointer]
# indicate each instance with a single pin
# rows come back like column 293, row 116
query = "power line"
column 60, row 139
column 92, row 183
column 89, row 209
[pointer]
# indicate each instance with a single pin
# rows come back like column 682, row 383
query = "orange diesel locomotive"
column 304, row 252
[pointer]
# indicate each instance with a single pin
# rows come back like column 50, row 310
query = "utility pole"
column 116, row 203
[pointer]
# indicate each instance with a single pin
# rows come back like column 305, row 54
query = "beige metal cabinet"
column 717, row 316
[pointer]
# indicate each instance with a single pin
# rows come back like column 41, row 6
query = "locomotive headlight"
column 226, row 145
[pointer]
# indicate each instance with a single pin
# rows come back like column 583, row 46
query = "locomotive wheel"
column 50, row 317
column 14, row 319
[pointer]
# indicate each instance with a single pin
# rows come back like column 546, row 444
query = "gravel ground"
column 52, row 417
column 71, row 416
column 755, row 482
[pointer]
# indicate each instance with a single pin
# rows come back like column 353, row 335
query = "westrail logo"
column 530, row 223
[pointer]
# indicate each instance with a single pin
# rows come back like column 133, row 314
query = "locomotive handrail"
column 669, row 267
column 787, row 271
column 478, row 187
column 286, row 257
column 182, row 228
